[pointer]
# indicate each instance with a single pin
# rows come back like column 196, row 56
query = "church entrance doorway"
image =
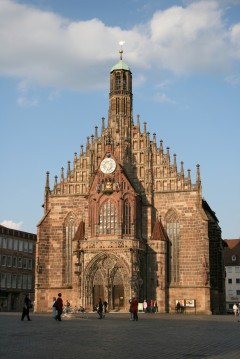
column 118, row 297
column 98, row 292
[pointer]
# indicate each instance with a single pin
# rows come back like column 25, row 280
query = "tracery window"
column 70, row 230
column 107, row 218
column 173, row 235
column 127, row 218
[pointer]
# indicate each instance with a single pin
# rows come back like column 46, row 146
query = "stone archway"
column 107, row 277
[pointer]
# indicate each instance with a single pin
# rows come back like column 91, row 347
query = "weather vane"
column 121, row 43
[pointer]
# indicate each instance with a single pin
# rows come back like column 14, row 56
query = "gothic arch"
column 107, row 275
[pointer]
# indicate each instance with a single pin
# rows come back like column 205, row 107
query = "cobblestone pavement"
column 157, row 335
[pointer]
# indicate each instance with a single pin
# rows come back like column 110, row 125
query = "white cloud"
column 163, row 98
column 48, row 50
column 11, row 224
column 24, row 99
column 233, row 80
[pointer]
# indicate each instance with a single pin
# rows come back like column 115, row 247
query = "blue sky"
column 55, row 60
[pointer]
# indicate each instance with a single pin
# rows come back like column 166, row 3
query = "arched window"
column 173, row 235
column 117, row 81
column 127, row 218
column 124, row 81
column 70, row 230
column 107, row 218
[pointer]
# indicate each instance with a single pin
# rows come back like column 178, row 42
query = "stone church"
column 125, row 220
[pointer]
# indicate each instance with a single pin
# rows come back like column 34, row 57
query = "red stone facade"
column 125, row 221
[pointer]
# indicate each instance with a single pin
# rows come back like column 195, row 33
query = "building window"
column 14, row 281
column 10, row 243
column 0, row 242
column 30, row 247
column 127, row 218
column 234, row 257
column 237, row 280
column 4, row 260
column 229, row 280
column 173, row 234
column 237, row 269
column 108, row 218
column 30, row 264
column 9, row 281
column 19, row 281
column 29, row 282
column 70, row 231
column 20, row 262
column 229, row 269
column 20, row 247
column 9, row 261
column 4, row 243
column 25, row 279
column 117, row 81
column 14, row 263
column 25, row 246
column 15, row 245
column 24, row 263
column 3, row 280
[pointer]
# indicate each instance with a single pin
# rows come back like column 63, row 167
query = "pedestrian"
column 59, row 307
column 151, row 304
column 100, row 309
column 156, row 306
column 54, row 305
column 145, row 306
column 105, row 304
column 68, row 307
column 130, row 309
column 135, row 309
column 26, row 307
column 235, row 309
column 178, row 307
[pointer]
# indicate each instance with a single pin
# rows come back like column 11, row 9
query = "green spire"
column 121, row 65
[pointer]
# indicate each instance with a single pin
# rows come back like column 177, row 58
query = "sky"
column 55, row 62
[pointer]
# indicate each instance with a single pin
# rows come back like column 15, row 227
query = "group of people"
column 150, row 307
column 57, row 308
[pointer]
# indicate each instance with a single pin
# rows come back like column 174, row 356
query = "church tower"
column 125, row 221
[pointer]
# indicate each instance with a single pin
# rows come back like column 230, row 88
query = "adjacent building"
column 232, row 268
column 126, row 220
column 17, row 267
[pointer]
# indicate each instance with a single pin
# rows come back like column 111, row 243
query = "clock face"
column 108, row 165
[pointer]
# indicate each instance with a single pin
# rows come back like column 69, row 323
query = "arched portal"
column 107, row 277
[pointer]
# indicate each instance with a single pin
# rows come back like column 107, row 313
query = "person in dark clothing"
column 135, row 309
column 26, row 307
column 59, row 307
column 100, row 309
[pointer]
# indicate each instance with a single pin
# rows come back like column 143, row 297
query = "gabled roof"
column 232, row 252
column 80, row 233
column 159, row 233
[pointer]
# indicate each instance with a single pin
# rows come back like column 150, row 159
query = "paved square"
column 153, row 336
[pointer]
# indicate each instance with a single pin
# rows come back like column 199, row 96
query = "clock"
column 108, row 165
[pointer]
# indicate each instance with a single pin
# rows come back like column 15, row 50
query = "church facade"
column 125, row 221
